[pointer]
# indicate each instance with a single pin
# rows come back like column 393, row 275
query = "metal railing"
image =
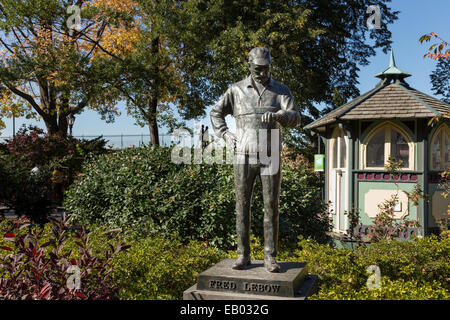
column 120, row 141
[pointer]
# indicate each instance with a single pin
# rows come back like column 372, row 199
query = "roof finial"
column 392, row 72
column 392, row 62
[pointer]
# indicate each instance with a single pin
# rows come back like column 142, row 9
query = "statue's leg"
column 244, row 177
column 271, row 194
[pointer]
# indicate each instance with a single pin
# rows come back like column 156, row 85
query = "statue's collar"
column 249, row 82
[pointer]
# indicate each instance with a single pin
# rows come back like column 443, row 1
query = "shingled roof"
column 392, row 98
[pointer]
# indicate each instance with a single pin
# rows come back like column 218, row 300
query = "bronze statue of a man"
column 260, row 105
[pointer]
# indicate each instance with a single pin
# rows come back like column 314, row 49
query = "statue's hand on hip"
column 230, row 139
column 270, row 117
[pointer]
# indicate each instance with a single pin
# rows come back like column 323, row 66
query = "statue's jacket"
column 247, row 106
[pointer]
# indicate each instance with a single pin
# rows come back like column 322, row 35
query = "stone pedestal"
column 221, row 282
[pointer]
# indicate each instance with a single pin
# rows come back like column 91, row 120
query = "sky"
column 416, row 17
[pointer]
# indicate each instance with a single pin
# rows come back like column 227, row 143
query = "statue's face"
column 260, row 73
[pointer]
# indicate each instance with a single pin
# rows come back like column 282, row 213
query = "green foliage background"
column 440, row 79
column 142, row 188
column 28, row 194
column 34, row 195
column 410, row 270
column 156, row 267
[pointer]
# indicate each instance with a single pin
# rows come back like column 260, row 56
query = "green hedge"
column 117, row 189
column 28, row 193
column 35, row 194
column 142, row 188
column 421, row 264
column 389, row 290
column 157, row 268
column 153, row 268
column 162, row 268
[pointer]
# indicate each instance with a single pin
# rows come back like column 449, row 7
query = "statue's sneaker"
column 271, row 265
column 241, row 263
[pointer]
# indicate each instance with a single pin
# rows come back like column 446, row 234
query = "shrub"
column 197, row 202
column 3, row 148
column 118, row 189
column 38, row 270
column 155, row 267
column 422, row 263
column 389, row 290
column 302, row 211
column 159, row 268
column 141, row 186
column 28, row 193
column 58, row 159
column 31, row 145
column 425, row 260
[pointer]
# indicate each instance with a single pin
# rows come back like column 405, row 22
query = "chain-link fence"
column 120, row 141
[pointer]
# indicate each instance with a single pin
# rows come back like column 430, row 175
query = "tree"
column 160, row 60
column 436, row 51
column 49, row 70
column 440, row 79
column 317, row 47
column 186, row 53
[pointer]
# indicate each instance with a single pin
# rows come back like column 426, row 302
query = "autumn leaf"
column 436, row 50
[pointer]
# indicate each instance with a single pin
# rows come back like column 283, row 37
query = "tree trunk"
column 56, row 125
column 153, row 99
column 152, row 122
column 63, row 126
column 51, row 124
column 154, row 134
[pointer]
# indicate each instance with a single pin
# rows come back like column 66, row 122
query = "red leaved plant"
column 46, row 271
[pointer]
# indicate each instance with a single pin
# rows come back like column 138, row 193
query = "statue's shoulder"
column 280, row 88
column 234, row 87
column 242, row 84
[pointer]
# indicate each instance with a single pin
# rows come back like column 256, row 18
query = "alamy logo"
column 74, row 21
column 374, row 21
column 74, row 281
column 255, row 146
column 374, row 280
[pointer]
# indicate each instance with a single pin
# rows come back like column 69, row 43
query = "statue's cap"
column 259, row 56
